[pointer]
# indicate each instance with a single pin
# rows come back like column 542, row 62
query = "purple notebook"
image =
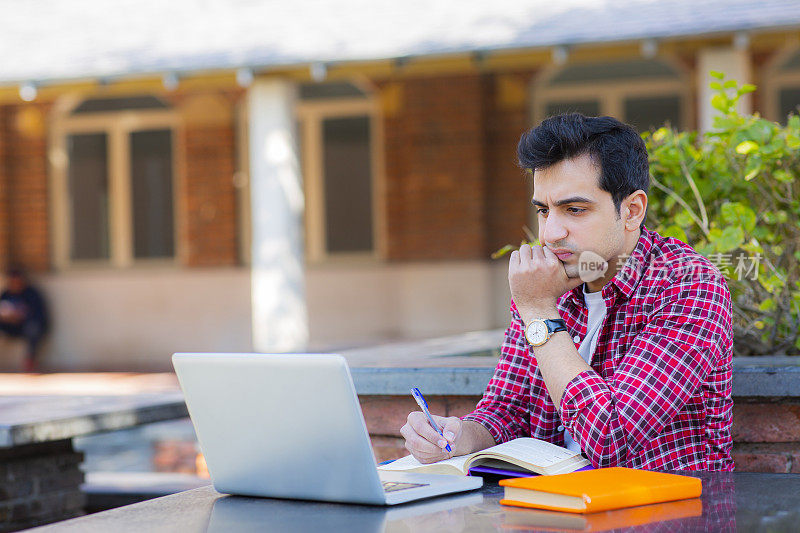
column 478, row 470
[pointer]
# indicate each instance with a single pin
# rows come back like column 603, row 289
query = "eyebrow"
column 571, row 200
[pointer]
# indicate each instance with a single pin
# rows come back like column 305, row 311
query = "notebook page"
column 534, row 451
column 409, row 462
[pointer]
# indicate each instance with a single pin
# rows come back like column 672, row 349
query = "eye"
column 575, row 210
column 542, row 211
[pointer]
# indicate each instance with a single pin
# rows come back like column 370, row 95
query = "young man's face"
column 575, row 215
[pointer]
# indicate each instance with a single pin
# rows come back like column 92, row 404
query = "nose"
column 552, row 230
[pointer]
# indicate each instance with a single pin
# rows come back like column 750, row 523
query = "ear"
column 634, row 209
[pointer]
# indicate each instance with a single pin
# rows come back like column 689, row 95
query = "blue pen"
column 424, row 406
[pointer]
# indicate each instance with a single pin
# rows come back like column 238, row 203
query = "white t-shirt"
column 597, row 313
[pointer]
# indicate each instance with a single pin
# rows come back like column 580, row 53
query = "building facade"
column 318, row 206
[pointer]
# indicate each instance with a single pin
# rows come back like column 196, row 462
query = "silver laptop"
column 290, row 426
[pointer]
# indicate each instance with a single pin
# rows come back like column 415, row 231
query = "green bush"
column 732, row 193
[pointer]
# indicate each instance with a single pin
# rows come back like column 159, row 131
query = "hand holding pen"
column 424, row 406
column 431, row 438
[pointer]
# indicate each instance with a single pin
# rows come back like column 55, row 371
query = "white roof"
column 68, row 39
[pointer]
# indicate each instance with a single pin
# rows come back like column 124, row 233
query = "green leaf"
column 730, row 84
column 738, row 214
column 717, row 74
column 767, row 305
column 752, row 169
column 725, row 123
column 675, row 231
column 502, row 251
column 746, row 88
column 720, row 102
column 746, row 147
column 727, row 240
column 683, row 219
column 660, row 134
column 783, row 176
column 717, row 86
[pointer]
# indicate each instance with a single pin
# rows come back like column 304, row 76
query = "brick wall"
column 454, row 190
column 435, row 156
column 26, row 168
column 207, row 197
column 4, row 229
column 40, row 484
column 507, row 191
column 210, row 197
column 766, row 435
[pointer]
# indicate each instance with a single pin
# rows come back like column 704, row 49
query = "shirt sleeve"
column 504, row 409
column 664, row 367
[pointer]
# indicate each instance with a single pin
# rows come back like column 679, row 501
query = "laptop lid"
column 287, row 426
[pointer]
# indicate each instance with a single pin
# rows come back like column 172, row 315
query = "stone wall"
column 766, row 434
column 39, row 484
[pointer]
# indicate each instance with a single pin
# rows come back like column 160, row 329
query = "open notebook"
column 525, row 454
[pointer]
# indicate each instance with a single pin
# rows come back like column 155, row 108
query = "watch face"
column 536, row 332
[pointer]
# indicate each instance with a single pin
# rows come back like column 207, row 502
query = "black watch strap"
column 555, row 324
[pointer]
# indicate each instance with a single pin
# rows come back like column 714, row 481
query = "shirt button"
column 561, row 428
column 576, row 338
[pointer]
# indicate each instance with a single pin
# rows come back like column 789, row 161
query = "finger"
column 537, row 254
column 513, row 259
column 452, row 429
column 525, row 253
column 419, row 423
column 549, row 255
column 417, row 444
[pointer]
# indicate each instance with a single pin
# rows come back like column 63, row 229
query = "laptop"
column 290, row 426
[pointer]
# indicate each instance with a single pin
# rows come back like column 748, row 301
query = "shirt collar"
column 628, row 276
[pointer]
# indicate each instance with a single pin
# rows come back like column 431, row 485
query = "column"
column 734, row 62
column 280, row 322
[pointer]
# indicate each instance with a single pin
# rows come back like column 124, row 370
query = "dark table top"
column 731, row 501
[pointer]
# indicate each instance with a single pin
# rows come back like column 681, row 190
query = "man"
column 23, row 314
column 633, row 367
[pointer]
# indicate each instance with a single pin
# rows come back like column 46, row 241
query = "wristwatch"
column 539, row 330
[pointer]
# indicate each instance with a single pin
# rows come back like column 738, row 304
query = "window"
column 780, row 81
column 642, row 92
column 337, row 130
column 113, row 190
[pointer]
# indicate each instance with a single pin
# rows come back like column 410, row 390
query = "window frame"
column 611, row 94
column 310, row 115
column 773, row 80
column 117, row 125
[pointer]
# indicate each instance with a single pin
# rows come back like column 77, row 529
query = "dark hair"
column 613, row 145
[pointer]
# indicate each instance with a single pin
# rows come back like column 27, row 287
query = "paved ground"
column 94, row 384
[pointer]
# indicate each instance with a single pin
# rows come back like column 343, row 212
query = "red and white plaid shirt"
column 659, row 392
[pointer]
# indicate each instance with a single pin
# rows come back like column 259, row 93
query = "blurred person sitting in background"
column 23, row 314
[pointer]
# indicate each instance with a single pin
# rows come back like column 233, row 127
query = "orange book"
column 599, row 490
